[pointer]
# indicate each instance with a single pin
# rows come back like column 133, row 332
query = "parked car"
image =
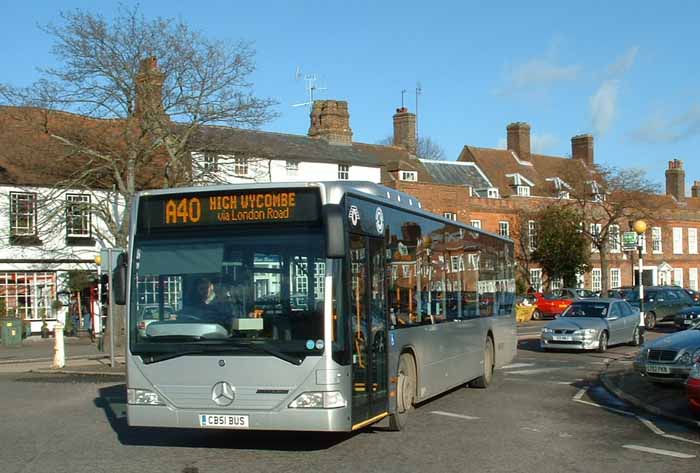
column 693, row 388
column 686, row 317
column 661, row 303
column 556, row 301
column 669, row 359
column 592, row 324
column 150, row 313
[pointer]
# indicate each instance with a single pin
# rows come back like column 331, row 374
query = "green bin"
column 11, row 332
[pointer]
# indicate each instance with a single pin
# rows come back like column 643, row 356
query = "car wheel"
column 603, row 342
column 635, row 338
column 405, row 392
column 484, row 380
column 537, row 315
column 650, row 320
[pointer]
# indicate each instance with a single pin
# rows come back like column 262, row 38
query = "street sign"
column 629, row 241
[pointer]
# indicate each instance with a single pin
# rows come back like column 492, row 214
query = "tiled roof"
column 456, row 173
column 497, row 164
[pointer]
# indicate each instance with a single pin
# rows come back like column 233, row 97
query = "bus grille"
column 247, row 397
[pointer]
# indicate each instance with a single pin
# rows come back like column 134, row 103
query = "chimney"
column 149, row 88
column 695, row 190
column 675, row 180
column 405, row 130
column 330, row 121
column 582, row 148
column 519, row 139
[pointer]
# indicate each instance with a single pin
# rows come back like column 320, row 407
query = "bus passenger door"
column 369, row 328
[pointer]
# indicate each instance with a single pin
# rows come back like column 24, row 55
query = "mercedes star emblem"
column 223, row 393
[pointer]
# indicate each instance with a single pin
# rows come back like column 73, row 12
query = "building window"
column 556, row 283
column 292, row 168
column 475, row 223
column 656, row 247
column 492, row 193
column 523, row 191
column 615, row 276
column 240, row 167
column 408, row 176
column 678, row 277
column 596, row 280
column 536, row 279
column 677, row 241
column 531, row 235
column 343, row 172
column 614, row 238
column 564, row 195
column 693, row 278
column 595, row 236
column 148, row 288
column 450, row 216
column 28, row 295
column 504, row 229
column 22, row 214
column 211, row 163
column 78, row 216
column 693, row 241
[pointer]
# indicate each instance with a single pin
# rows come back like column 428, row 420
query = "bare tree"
column 607, row 200
column 426, row 148
column 151, row 88
column 129, row 102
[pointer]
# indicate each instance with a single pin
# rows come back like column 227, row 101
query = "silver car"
column 592, row 324
column 669, row 359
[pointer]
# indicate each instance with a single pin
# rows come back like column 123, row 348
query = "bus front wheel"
column 405, row 392
column 484, row 380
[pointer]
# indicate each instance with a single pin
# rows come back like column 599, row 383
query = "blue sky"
column 625, row 71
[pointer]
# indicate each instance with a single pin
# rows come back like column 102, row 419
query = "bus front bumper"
column 327, row 420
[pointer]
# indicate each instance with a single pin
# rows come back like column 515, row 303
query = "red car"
column 694, row 390
column 555, row 302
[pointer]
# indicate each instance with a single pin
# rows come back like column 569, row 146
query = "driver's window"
column 615, row 311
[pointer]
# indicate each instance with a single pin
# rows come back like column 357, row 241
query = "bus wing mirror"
column 119, row 280
column 334, row 224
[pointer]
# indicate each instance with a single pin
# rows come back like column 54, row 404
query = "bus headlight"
column 143, row 396
column 319, row 400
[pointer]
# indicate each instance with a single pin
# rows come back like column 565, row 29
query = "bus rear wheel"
column 405, row 392
column 484, row 380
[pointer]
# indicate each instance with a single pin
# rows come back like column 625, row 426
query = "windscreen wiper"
column 267, row 348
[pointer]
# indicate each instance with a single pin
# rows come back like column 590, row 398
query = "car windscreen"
column 586, row 309
column 556, row 294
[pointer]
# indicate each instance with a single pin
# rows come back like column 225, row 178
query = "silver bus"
column 306, row 306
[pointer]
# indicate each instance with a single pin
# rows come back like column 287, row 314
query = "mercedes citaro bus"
column 321, row 306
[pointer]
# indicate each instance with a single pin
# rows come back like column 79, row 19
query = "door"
column 369, row 328
column 616, row 323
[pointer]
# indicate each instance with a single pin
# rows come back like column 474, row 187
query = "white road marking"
column 450, row 414
column 530, row 429
column 580, row 394
column 517, row 365
column 675, row 437
column 651, row 426
column 608, row 408
column 567, row 383
column 658, row 451
column 533, row 371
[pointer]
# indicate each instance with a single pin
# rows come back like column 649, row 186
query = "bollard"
column 59, row 354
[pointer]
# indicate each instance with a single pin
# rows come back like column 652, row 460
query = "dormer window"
column 564, row 195
column 411, row 176
column 523, row 191
column 492, row 193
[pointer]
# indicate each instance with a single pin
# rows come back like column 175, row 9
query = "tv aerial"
column 311, row 87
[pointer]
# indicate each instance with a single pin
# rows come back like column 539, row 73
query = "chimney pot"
column 695, row 190
column 582, row 148
column 675, row 180
column 518, row 138
column 405, row 130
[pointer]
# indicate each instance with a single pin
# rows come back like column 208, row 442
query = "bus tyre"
column 484, row 380
column 603, row 342
column 405, row 392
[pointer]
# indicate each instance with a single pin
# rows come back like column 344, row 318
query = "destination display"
column 227, row 208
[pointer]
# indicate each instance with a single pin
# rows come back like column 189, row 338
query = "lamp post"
column 98, row 318
column 640, row 227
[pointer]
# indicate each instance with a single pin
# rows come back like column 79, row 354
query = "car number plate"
column 563, row 338
column 223, row 421
column 658, row 369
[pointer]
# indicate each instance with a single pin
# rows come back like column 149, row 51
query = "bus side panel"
column 505, row 339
